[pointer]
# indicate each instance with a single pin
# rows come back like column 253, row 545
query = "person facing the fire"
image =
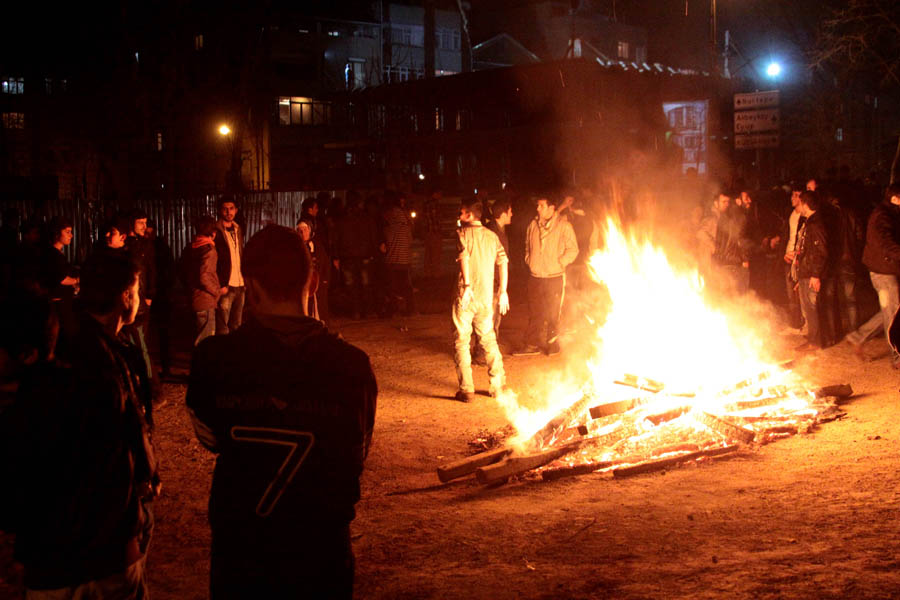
column 550, row 247
column 812, row 272
column 84, row 473
column 479, row 249
column 289, row 408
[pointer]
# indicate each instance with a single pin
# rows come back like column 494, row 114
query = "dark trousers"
column 357, row 276
column 137, row 335
column 845, row 294
column 400, row 289
column 544, row 302
column 323, row 568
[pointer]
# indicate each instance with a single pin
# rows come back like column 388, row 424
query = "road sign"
column 752, row 121
column 751, row 141
column 768, row 99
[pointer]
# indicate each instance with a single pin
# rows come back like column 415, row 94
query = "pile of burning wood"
column 656, row 429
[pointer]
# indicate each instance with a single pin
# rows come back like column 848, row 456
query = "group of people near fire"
column 289, row 407
column 823, row 247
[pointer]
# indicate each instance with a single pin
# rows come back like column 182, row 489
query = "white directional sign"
column 768, row 99
column 751, row 141
column 756, row 120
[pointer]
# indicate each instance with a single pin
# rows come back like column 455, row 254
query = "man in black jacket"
column 814, row 273
column 85, row 472
column 289, row 409
column 732, row 251
column 882, row 257
column 142, row 252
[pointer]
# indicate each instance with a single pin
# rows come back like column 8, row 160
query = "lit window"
column 348, row 158
column 48, row 85
column 198, row 41
column 137, row 57
column 334, row 33
column 159, row 141
column 14, row 120
column 303, row 111
column 623, row 49
column 438, row 119
column 13, row 85
column 839, row 134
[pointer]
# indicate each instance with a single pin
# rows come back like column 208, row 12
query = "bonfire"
column 676, row 375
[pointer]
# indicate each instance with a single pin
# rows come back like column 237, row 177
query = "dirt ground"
column 812, row 516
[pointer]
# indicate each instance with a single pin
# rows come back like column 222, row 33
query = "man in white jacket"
column 550, row 246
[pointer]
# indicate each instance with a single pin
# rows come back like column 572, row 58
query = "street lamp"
column 773, row 70
column 224, row 129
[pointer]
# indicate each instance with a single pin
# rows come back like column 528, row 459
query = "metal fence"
column 174, row 217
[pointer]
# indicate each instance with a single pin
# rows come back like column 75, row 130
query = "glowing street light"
column 224, row 129
column 773, row 70
column 421, row 177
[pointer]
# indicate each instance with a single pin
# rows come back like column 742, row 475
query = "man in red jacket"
column 289, row 409
column 201, row 277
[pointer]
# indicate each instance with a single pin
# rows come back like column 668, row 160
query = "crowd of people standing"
column 287, row 406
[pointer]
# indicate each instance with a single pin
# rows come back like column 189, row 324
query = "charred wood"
column 468, row 465
column 519, row 464
column 663, row 463
column 838, row 391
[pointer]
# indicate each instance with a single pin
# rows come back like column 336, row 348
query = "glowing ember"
column 673, row 372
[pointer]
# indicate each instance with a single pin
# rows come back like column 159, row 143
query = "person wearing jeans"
column 229, row 247
column 882, row 257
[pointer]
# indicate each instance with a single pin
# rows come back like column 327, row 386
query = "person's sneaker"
column 552, row 348
column 465, row 396
column 527, row 350
column 494, row 392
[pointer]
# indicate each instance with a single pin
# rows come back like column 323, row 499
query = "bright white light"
column 224, row 129
column 413, row 214
column 421, row 177
column 773, row 70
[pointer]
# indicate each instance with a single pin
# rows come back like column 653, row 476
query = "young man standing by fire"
column 479, row 250
column 550, row 247
column 289, row 409
column 812, row 271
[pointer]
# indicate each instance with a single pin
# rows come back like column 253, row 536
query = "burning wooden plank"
column 616, row 408
column 729, row 430
column 468, row 465
column 663, row 463
column 514, row 465
column 559, row 422
column 641, row 383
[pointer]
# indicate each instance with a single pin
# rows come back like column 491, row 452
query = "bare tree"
column 861, row 39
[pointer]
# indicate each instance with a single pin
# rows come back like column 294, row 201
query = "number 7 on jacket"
column 300, row 443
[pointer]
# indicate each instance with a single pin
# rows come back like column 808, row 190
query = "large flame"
column 664, row 330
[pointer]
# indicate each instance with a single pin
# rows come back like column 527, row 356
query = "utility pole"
column 713, row 51
column 429, row 39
